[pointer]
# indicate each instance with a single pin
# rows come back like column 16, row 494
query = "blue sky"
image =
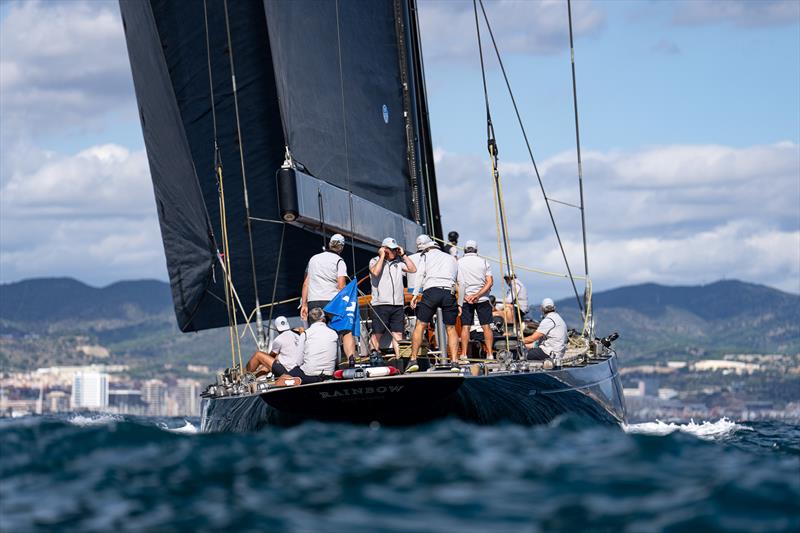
column 690, row 125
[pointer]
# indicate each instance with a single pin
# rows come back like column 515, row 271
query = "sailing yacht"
column 271, row 125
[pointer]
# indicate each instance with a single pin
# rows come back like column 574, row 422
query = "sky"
column 690, row 133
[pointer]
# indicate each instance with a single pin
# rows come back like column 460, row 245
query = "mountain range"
column 45, row 321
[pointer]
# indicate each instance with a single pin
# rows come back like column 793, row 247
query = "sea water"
column 113, row 473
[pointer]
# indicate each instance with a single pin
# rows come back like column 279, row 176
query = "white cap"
column 337, row 239
column 282, row 324
column 547, row 302
column 389, row 242
column 471, row 244
column 422, row 241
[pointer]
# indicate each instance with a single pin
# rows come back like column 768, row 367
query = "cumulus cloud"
column 742, row 13
column 90, row 215
column 525, row 27
column 672, row 214
column 62, row 67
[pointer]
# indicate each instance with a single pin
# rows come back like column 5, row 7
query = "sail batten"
column 332, row 96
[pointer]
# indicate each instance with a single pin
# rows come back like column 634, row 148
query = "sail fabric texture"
column 344, row 308
column 337, row 69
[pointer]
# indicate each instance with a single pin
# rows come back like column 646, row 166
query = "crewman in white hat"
column 326, row 275
column 285, row 353
column 474, row 284
column 411, row 277
column 386, row 273
column 436, row 277
column 551, row 334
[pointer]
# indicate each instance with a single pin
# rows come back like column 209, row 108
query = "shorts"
column 278, row 369
column 390, row 316
column 537, row 354
column 438, row 298
column 298, row 373
column 484, row 310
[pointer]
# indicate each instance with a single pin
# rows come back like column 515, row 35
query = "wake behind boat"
column 319, row 113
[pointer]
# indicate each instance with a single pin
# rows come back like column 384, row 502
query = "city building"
column 187, row 398
column 89, row 391
column 58, row 401
column 154, row 394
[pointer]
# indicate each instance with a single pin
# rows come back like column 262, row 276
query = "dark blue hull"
column 592, row 391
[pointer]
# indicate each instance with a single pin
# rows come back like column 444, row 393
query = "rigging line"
column 530, row 153
column 346, row 149
column 236, row 297
column 220, row 190
column 578, row 149
column 564, row 203
column 256, row 219
column 259, row 322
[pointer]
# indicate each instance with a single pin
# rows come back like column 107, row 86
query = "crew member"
column 436, row 281
column 516, row 301
column 326, row 275
column 285, row 353
column 411, row 277
column 452, row 244
column 474, row 283
column 551, row 334
column 386, row 273
column 319, row 350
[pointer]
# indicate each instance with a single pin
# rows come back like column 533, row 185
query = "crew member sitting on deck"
column 515, row 305
column 474, row 283
column 436, row 280
column 319, row 351
column 551, row 334
column 386, row 275
column 285, row 353
column 326, row 275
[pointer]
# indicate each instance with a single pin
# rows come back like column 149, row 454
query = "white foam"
column 94, row 420
column 187, row 428
column 704, row 430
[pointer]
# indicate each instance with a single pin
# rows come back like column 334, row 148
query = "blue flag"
column 344, row 308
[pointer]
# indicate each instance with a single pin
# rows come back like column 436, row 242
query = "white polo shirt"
column 387, row 289
column 324, row 270
column 319, row 352
column 436, row 269
column 554, row 330
column 289, row 347
column 411, row 277
column 522, row 295
column 472, row 273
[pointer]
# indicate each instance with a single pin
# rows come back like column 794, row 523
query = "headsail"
column 335, row 82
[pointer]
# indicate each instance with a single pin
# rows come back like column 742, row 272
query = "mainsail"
column 330, row 90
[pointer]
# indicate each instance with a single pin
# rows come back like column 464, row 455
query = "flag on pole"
column 344, row 308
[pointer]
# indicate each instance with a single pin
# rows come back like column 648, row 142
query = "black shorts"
column 297, row 373
column 278, row 369
column 387, row 316
column 537, row 354
column 438, row 298
column 484, row 310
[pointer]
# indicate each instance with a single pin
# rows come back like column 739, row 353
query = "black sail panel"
column 338, row 70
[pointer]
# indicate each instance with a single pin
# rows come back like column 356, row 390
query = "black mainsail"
column 334, row 88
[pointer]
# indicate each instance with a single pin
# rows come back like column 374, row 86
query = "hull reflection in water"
column 592, row 391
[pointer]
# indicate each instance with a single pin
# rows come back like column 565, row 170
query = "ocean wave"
column 704, row 430
column 100, row 419
column 186, row 429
